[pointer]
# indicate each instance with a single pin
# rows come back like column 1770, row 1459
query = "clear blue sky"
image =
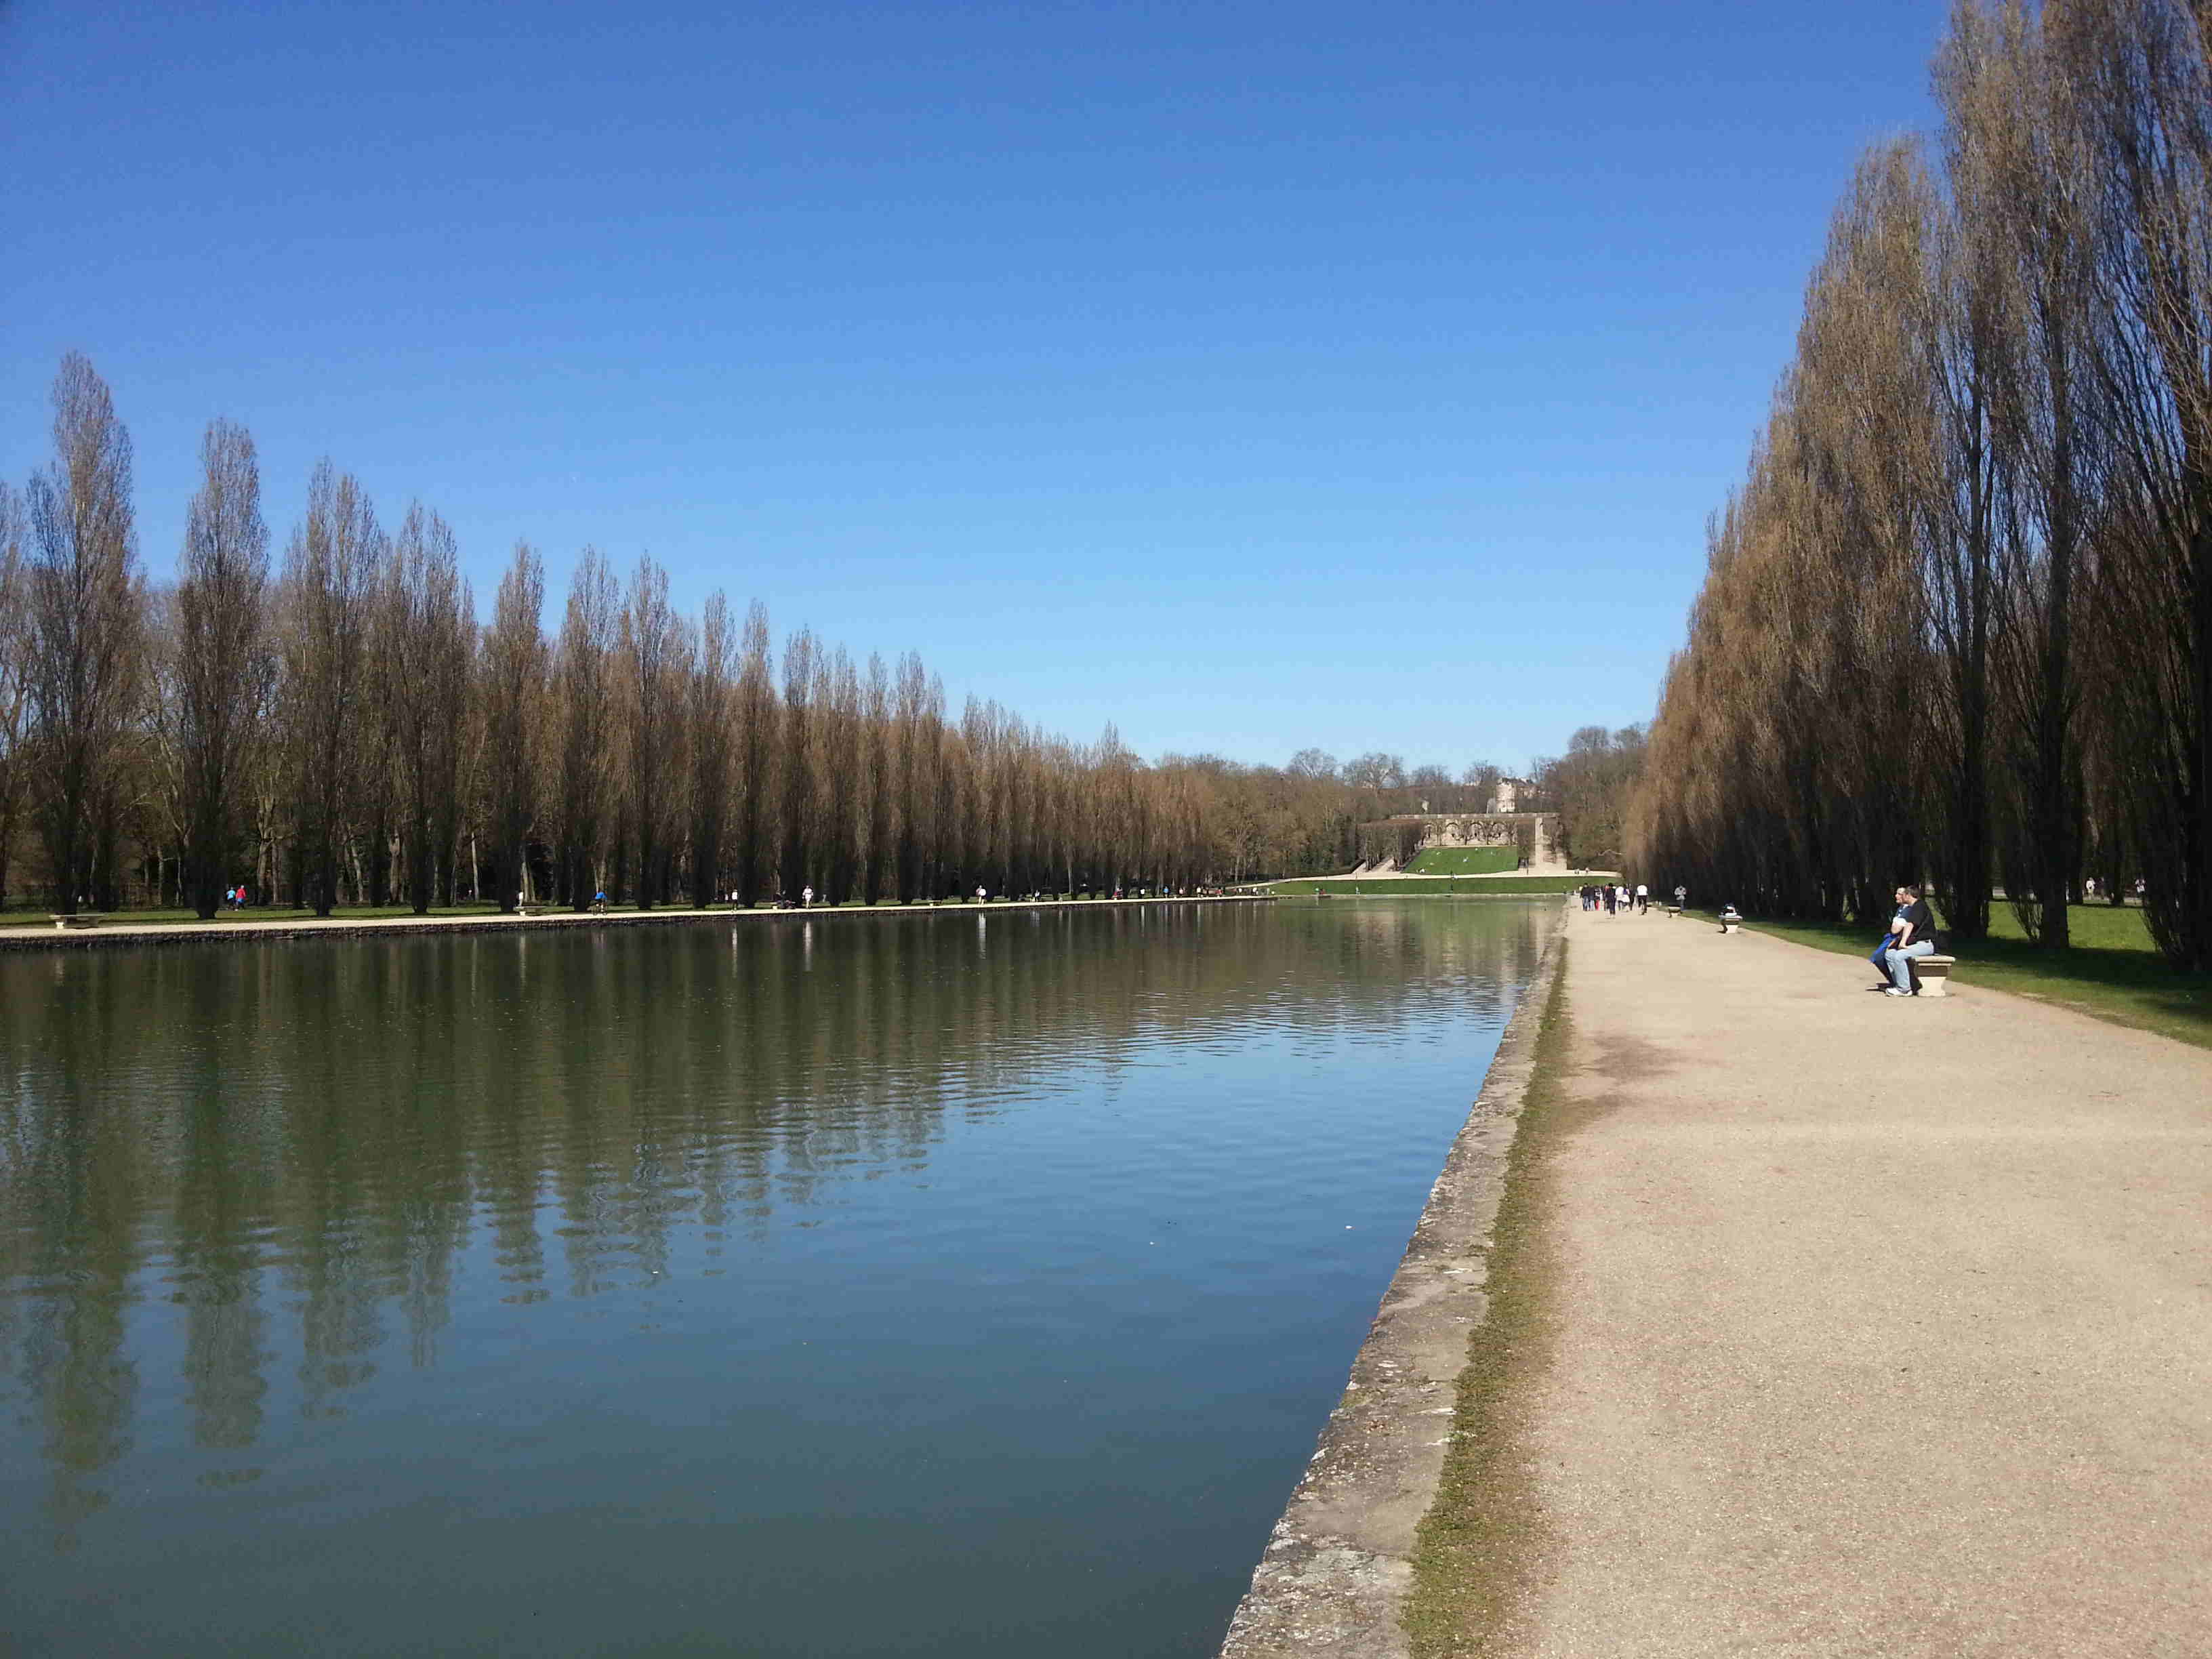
column 1252, row 376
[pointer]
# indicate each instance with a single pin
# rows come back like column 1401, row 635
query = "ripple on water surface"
column 838, row 1286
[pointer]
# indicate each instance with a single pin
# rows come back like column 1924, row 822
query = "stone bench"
column 1673, row 910
column 1731, row 924
column 83, row 919
column 1931, row 975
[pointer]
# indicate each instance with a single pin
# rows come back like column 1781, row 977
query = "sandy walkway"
column 1922, row 1367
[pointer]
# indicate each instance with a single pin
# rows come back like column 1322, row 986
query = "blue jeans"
column 1900, row 961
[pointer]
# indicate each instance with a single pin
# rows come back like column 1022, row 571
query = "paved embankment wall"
column 240, row 930
column 1333, row 1580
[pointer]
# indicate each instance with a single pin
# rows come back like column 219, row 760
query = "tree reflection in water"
column 234, row 1178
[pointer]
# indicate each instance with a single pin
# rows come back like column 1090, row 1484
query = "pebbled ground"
column 1885, row 1327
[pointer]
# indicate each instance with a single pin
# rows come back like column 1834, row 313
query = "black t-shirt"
column 1922, row 920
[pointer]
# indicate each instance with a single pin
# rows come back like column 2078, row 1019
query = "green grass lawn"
column 2093, row 926
column 2111, row 972
column 1431, row 887
column 1465, row 861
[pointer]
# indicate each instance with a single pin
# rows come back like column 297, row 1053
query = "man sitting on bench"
column 1914, row 935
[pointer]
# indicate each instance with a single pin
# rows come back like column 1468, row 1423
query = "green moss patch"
column 1476, row 1554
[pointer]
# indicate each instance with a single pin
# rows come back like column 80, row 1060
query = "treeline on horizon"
column 338, row 728
column 1958, row 618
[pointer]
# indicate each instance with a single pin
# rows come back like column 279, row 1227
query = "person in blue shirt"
column 1879, row 956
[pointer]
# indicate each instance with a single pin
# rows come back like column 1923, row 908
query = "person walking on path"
column 1643, row 898
column 1914, row 930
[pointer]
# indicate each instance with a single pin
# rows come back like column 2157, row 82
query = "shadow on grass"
column 2126, row 986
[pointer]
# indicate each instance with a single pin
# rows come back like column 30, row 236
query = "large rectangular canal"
column 944, row 1284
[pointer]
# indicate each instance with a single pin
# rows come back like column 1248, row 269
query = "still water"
column 943, row 1285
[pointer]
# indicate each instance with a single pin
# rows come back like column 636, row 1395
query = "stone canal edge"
column 540, row 918
column 1334, row 1581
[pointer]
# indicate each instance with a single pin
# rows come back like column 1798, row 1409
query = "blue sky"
column 1250, row 376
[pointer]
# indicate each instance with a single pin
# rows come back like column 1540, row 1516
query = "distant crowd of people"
column 1614, row 897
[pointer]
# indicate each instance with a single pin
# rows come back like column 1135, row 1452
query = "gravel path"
column 1886, row 1327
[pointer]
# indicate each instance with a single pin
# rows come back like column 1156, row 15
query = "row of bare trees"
column 1590, row 787
column 1959, row 616
column 337, row 727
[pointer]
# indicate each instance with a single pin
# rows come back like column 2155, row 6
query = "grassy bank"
column 1477, row 1552
column 2111, row 972
column 1429, row 887
column 1465, row 861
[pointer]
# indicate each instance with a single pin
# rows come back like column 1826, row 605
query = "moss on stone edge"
column 1475, row 1553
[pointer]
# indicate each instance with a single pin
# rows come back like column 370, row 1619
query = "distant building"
column 1533, row 835
column 1508, row 797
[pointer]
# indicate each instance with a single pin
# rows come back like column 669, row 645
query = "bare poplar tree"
column 15, row 677
column 754, row 757
column 513, row 698
column 2142, row 68
column 837, row 772
column 1964, row 332
column 2020, row 156
column 713, row 714
column 223, row 669
column 84, row 611
column 653, row 645
column 913, row 786
column 796, row 758
column 586, row 675
column 329, row 587
column 425, row 639
column 1865, row 421
column 158, row 792
column 878, row 783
